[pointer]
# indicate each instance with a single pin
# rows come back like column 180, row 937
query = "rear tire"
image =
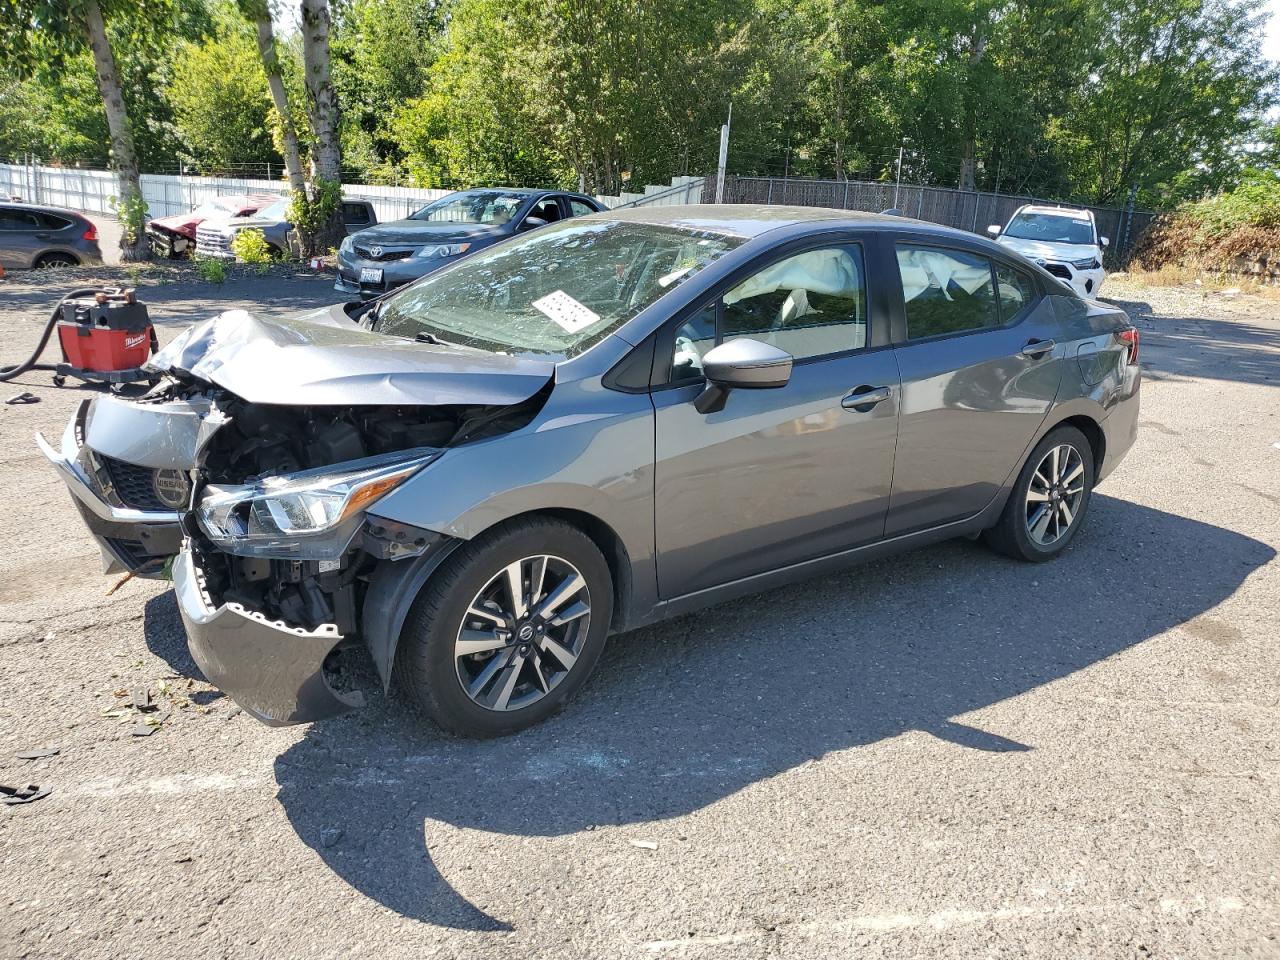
column 1049, row 500
column 56, row 260
column 484, row 665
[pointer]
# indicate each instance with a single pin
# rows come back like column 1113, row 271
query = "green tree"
column 220, row 99
column 42, row 37
column 1177, row 90
column 382, row 55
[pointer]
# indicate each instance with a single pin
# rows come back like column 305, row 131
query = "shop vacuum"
column 105, row 336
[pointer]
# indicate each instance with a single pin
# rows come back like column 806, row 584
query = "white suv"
column 1063, row 240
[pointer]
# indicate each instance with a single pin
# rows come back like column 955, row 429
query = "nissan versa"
column 591, row 427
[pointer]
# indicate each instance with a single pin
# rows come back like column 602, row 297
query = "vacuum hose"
column 8, row 373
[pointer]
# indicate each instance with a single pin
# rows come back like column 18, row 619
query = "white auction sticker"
column 566, row 311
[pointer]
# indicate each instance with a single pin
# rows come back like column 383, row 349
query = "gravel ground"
column 941, row 754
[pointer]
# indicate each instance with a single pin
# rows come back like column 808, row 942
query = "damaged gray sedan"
column 589, row 428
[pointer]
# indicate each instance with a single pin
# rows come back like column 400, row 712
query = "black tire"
column 427, row 668
column 56, row 260
column 1012, row 535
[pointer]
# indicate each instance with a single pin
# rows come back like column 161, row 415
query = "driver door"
column 784, row 475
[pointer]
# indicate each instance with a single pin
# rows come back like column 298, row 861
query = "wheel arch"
column 1092, row 430
column 395, row 585
column 58, row 254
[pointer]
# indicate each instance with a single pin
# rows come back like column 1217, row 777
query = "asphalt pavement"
column 942, row 754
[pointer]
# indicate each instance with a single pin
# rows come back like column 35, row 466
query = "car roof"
column 1060, row 211
column 753, row 220
column 41, row 208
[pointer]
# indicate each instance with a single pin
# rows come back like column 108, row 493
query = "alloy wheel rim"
column 1054, row 494
column 523, row 633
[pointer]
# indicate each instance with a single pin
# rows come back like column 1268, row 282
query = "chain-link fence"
column 963, row 209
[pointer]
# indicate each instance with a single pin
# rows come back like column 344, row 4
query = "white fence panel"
column 92, row 191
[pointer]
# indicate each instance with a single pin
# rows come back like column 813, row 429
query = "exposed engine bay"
column 257, row 441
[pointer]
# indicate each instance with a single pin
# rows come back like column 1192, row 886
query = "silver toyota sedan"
column 588, row 428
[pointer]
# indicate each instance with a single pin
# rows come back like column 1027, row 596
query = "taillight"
column 1130, row 336
column 91, row 233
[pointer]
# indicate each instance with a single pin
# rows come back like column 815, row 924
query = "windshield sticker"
column 668, row 279
column 566, row 311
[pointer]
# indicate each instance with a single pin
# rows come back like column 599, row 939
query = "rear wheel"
column 56, row 260
column 508, row 629
column 1049, row 500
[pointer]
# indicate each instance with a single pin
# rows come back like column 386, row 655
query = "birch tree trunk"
column 322, row 104
column 280, row 98
column 131, row 208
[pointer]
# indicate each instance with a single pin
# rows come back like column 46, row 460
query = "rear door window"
column 15, row 220
column 355, row 214
column 578, row 208
column 946, row 291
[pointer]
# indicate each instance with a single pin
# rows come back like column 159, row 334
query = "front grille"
column 366, row 253
column 1058, row 270
column 133, row 484
column 212, row 243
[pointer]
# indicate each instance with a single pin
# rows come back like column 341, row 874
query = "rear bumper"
column 139, row 541
column 1120, row 428
column 273, row 671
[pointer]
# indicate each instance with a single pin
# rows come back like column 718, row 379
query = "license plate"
column 371, row 275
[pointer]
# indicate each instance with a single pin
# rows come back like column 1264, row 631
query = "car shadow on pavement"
column 1176, row 346
column 685, row 713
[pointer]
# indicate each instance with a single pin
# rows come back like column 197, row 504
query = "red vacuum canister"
column 107, row 336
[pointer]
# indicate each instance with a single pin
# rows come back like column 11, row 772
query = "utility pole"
column 724, row 156
column 897, row 184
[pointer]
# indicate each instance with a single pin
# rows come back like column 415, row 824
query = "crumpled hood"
column 1039, row 250
column 324, row 359
column 182, row 223
column 424, row 231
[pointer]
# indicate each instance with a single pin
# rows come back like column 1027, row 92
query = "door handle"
column 864, row 398
column 43, row 236
column 1036, row 348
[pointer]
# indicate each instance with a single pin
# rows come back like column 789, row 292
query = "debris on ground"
column 330, row 836
column 23, row 398
column 120, row 583
column 38, row 753
column 144, row 729
column 644, row 844
column 13, row 796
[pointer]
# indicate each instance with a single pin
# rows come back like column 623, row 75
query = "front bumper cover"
column 139, row 541
column 275, row 672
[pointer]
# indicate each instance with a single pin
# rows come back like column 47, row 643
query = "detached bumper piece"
column 275, row 672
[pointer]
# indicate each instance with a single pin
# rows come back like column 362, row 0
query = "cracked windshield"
column 554, row 293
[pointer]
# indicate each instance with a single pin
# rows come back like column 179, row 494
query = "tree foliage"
column 1076, row 99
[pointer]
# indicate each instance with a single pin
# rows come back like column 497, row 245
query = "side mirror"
column 741, row 364
column 1106, row 242
column 532, row 223
column 994, row 229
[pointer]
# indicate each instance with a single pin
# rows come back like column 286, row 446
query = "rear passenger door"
column 974, row 342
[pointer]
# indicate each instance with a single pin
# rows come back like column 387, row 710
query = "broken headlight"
column 310, row 515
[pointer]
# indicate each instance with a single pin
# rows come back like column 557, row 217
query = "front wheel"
column 1049, row 500
column 508, row 629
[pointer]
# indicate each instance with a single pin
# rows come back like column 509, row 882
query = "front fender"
column 590, row 451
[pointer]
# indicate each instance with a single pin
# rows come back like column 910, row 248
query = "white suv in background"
column 1063, row 240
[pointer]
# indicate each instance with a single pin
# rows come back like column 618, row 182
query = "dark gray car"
column 34, row 236
column 392, row 254
column 607, row 422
